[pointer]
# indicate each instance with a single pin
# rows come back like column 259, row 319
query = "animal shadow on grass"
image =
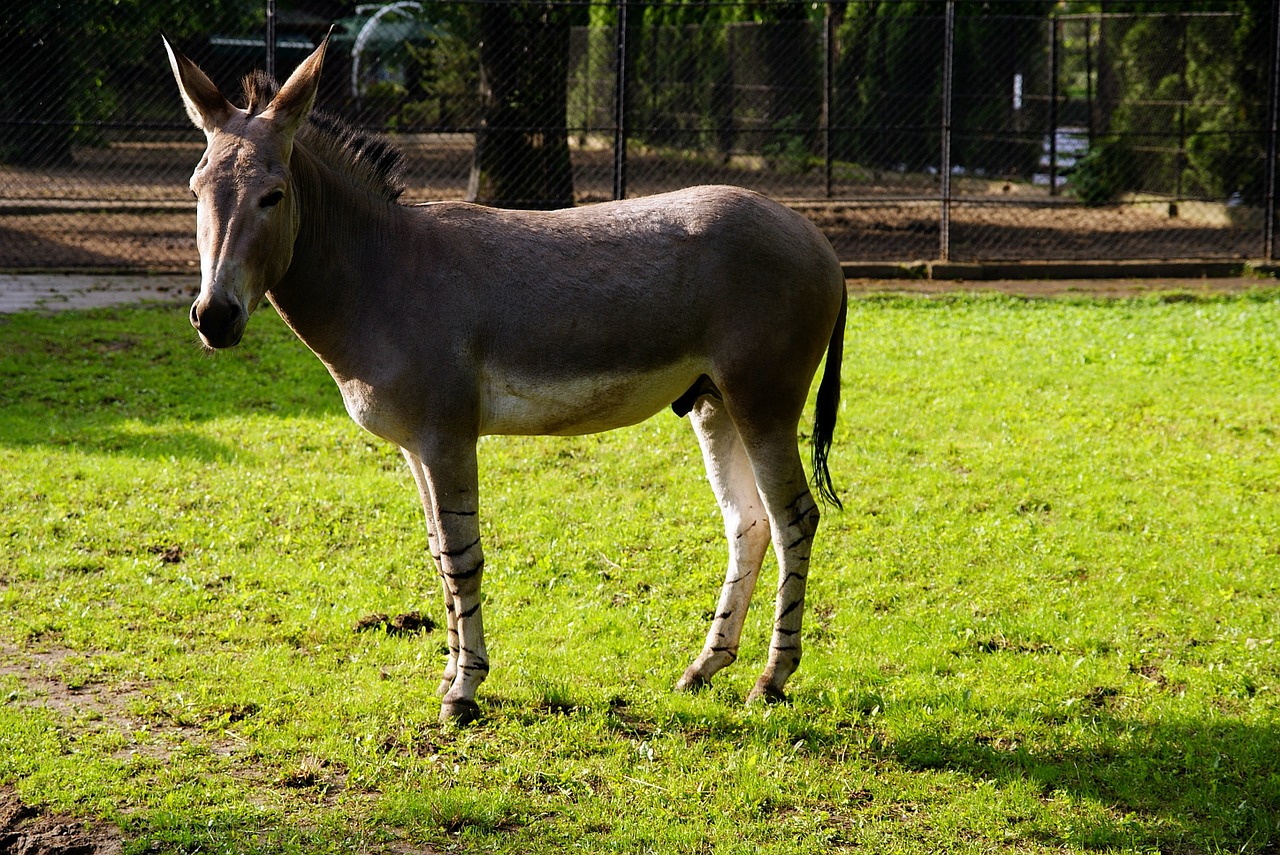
column 134, row 382
column 1188, row 785
column 1185, row 785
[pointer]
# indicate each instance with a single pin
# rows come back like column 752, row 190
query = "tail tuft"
column 828, row 406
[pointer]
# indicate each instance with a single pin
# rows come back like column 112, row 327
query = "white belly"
column 530, row 405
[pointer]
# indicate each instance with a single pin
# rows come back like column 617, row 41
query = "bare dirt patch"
column 1004, row 231
column 127, row 207
column 55, row 680
column 24, row 830
column 867, row 231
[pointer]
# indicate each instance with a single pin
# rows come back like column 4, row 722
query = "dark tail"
column 828, row 406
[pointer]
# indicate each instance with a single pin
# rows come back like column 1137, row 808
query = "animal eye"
column 271, row 199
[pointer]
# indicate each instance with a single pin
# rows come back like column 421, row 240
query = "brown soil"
column 409, row 623
column 165, row 240
column 127, row 208
column 27, row 831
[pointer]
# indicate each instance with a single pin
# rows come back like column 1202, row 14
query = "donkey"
column 447, row 321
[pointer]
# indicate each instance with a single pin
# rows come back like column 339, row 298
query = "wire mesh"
column 1072, row 133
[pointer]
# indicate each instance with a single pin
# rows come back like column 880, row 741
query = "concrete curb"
column 1021, row 270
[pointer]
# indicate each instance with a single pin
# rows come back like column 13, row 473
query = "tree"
column 1185, row 95
column 521, row 154
column 39, row 70
column 64, row 65
column 889, row 83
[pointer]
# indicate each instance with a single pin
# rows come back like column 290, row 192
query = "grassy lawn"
column 1047, row 621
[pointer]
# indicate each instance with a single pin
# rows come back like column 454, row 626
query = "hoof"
column 462, row 711
column 692, row 681
column 766, row 692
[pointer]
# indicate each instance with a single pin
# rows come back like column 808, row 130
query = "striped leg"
column 793, row 515
column 449, row 470
column 746, row 528
column 433, row 544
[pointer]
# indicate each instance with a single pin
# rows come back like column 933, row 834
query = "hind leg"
column 793, row 517
column 746, row 528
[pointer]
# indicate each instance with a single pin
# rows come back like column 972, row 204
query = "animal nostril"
column 219, row 321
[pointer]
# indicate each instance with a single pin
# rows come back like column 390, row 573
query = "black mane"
column 368, row 157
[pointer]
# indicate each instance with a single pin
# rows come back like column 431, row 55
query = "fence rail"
column 949, row 129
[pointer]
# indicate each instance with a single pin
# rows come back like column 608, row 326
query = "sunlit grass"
column 1046, row 621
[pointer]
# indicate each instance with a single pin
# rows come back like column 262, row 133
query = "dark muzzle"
column 219, row 322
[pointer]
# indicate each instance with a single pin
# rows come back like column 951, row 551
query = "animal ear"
column 205, row 103
column 293, row 102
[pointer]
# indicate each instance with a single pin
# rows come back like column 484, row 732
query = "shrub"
column 1107, row 170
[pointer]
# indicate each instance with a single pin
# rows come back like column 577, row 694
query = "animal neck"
column 339, row 258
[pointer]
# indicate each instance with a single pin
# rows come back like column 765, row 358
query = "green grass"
column 1047, row 620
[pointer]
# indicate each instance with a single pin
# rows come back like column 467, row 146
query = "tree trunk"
column 521, row 157
column 794, row 71
column 35, row 95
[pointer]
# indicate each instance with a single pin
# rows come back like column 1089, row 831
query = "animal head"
column 247, row 212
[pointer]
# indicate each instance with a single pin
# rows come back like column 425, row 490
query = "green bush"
column 1107, row 170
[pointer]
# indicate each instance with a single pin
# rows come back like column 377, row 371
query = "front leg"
column 450, row 472
column 433, row 546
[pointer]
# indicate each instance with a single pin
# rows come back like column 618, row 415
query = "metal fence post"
column 271, row 38
column 948, row 52
column 620, row 105
column 1273, row 126
column 1088, row 76
column 828, row 49
column 1184, row 96
column 1055, row 35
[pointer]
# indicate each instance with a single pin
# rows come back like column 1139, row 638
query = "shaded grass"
column 1046, row 621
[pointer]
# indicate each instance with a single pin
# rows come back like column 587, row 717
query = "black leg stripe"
column 469, row 612
column 799, row 518
column 789, row 609
column 454, row 553
column 466, row 574
column 797, row 500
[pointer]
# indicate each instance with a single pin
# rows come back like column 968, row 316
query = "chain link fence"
column 1014, row 130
